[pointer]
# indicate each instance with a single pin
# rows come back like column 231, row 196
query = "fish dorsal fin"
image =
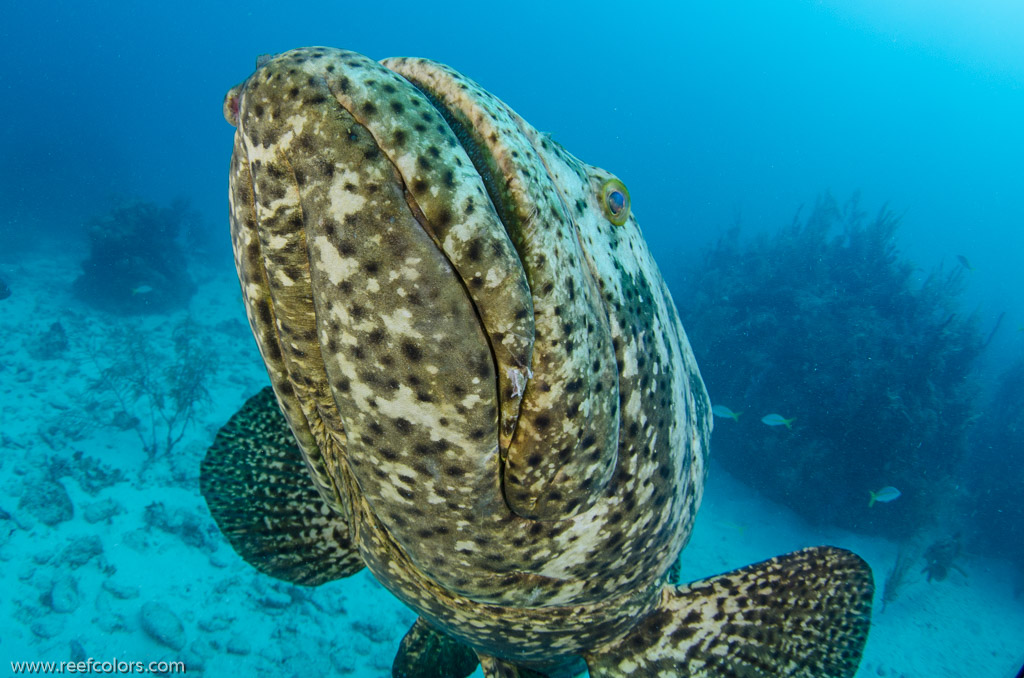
column 802, row 615
column 260, row 493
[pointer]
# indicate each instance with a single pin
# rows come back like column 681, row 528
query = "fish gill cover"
column 825, row 321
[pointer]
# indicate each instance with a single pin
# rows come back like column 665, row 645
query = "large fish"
column 482, row 392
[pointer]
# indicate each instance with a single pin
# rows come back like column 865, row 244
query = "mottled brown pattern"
column 487, row 379
column 802, row 615
column 563, row 451
column 258, row 490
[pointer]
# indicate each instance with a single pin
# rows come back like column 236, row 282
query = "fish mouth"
column 481, row 156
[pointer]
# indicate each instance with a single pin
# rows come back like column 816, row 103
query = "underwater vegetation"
column 157, row 394
column 995, row 475
column 824, row 322
column 136, row 261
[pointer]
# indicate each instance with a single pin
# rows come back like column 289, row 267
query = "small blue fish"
column 141, row 289
column 725, row 412
column 963, row 262
column 777, row 420
column 884, row 495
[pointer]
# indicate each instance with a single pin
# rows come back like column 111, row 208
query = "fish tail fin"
column 260, row 494
column 874, row 498
column 802, row 615
column 789, row 422
column 736, row 416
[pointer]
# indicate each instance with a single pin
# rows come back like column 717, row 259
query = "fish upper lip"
column 478, row 154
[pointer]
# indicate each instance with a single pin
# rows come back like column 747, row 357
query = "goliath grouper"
column 482, row 392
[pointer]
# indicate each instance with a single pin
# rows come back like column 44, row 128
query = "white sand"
column 237, row 622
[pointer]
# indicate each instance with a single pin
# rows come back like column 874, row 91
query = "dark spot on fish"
column 412, row 351
column 444, row 218
column 400, row 137
column 475, row 250
column 369, row 108
column 419, row 186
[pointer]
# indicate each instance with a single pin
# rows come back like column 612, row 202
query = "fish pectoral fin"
column 802, row 615
column 426, row 652
column 261, row 495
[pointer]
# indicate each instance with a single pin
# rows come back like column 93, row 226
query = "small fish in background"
column 884, row 495
column 777, row 420
column 141, row 289
column 725, row 413
column 963, row 262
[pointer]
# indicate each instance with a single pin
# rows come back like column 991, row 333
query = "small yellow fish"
column 725, row 412
column 777, row 420
column 884, row 495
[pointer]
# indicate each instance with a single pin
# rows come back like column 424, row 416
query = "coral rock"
column 162, row 625
column 47, row 501
column 64, row 596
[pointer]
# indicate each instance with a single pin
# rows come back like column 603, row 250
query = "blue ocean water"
column 723, row 115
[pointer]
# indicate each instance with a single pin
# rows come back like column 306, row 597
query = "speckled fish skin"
column 486, row 377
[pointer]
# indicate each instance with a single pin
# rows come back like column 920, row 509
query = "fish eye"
column 615, row 201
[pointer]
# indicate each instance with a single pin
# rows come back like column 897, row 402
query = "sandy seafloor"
column 77, row 589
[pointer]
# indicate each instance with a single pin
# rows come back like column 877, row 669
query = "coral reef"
column 995, row 475
column 91, row 474
column 136, row 262
column 823, row 321
column 941, row 556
